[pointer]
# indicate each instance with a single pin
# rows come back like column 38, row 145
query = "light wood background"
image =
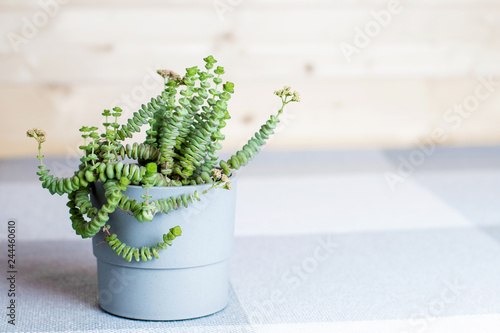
column 394, row 93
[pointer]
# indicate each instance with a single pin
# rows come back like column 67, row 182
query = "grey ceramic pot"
column 191, row 277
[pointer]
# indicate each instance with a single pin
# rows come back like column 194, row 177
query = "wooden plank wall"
column 408, row 64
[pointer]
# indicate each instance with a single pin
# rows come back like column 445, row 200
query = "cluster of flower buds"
column 217, row 173
column 36, row 133
column 219, row 176
column 286, row 92
column 165, row 73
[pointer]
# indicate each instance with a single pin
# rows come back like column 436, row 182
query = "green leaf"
column 188, row 81
column 205, row 84
column 192, row 71
column 205, row 75
column 177, row 231
column 203, row 93
column 197, row 100
column 219, row 70
column 187, row 92
column 151, row 167
column 210, row 59
column 228, row 87
column 222, row 105
column 225, row 96
column 184, row 101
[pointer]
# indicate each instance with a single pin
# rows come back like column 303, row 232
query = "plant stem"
column 40, row 157
column 85, row 150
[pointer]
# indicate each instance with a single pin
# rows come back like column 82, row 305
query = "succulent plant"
column 185, row 123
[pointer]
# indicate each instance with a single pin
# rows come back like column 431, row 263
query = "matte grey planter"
column 191, row 277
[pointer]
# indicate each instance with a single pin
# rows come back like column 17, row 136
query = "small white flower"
column 216, row 173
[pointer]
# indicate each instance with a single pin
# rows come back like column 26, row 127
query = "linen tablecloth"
column 345, row 241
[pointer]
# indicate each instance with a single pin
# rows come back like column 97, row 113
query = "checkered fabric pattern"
column 366, row 241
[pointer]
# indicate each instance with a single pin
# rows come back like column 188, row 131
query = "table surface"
column 331, row 241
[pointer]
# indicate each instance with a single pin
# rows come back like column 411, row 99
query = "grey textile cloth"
column 422, row 257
